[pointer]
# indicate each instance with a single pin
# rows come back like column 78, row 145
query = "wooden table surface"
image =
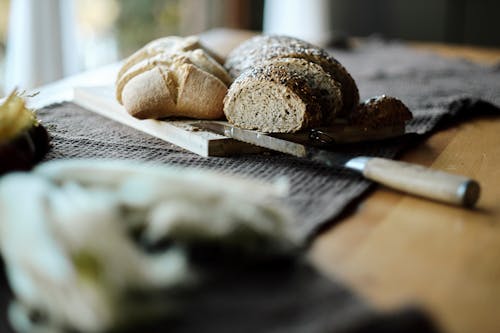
column 397, row 249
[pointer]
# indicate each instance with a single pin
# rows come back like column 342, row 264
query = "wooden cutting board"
column 183, row 133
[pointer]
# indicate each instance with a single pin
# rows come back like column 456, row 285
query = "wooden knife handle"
column 422, row 181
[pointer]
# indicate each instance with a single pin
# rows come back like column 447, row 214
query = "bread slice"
column 272, row 98
column 323, row 87
column 265, row 48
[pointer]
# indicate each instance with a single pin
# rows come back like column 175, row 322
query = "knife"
column 406, row 177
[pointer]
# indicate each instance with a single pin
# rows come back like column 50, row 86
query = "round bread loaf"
column 262, row 49
column 172, row 77
column 273, row 97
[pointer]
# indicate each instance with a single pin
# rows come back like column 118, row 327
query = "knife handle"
column 418, row 180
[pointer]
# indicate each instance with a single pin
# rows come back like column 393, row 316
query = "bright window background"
column 110, row 30
column 4, row 11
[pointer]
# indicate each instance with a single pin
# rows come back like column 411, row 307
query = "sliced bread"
column 263, row 48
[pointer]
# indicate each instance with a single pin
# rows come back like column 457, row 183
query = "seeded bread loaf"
column 262, row 49
column 172, row 77
column 273, row 97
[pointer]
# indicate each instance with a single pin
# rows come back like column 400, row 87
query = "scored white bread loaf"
column 263, row 48
column 172, row 77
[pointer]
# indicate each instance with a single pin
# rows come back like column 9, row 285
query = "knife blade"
column 406, row 177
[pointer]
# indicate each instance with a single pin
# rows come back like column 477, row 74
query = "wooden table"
column 397, row 249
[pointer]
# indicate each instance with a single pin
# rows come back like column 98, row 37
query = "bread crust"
column 380, row 111
column 200, row 95
column 158, row 46
column 197, row 94
column 147, row 95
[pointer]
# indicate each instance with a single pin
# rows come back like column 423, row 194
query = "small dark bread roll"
column 380, row 111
